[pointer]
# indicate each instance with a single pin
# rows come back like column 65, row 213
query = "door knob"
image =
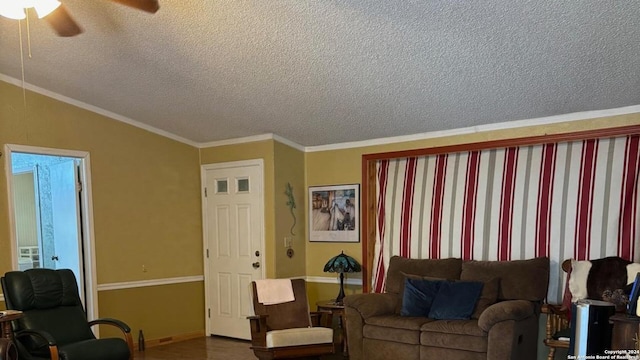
column 54, row 258
column 256, row 264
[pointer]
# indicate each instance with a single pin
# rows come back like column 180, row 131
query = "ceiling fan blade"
column 62, row 22
column 150, row 6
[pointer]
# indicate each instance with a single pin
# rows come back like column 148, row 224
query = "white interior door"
column 65, row 203
column 234, row 241
column 64, row 215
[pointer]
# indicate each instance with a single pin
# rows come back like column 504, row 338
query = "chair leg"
column 552, row 353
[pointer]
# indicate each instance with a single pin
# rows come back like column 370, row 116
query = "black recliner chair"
column 54, row 324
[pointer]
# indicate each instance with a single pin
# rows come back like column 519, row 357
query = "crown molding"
column 95, row 109
column 577, row 116
column 235, row 141
column 288, row 142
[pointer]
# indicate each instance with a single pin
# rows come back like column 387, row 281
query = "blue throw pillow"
column 455, row 300
column 418, row 296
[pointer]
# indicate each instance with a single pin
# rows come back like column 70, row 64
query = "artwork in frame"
column 334, row 213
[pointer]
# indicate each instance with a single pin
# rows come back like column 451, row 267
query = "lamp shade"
column 342, row 264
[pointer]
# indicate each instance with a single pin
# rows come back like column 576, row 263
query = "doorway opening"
column 50, row 214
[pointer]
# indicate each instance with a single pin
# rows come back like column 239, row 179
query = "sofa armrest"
column 372, row 304
column 358, row 308
column 505, row 310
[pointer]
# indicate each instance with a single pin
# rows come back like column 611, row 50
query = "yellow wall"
column 146, row 203
column 160, row 311
column 345, row 167
column 289, row 168
column 147, row 211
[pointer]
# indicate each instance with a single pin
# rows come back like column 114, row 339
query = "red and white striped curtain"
column 563, row 200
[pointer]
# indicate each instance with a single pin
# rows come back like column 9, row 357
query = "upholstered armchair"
column 54, row 324
column 288, row 329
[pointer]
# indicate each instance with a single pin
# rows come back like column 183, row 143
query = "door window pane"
column 221, row 186
column 243, row 185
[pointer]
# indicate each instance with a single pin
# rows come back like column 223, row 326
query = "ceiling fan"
column 58, row 17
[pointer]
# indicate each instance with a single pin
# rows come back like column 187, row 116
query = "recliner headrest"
column 41, row 289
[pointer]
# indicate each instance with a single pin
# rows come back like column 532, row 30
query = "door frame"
column 205, row 225
column 86, row 202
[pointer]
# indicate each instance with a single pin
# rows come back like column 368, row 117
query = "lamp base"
column 341, row 293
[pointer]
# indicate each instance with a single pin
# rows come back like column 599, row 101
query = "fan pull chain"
column 28, row 34
column 24, row 91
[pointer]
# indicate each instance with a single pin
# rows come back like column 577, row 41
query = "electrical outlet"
column 144, row 268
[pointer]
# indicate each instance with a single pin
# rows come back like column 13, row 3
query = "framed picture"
column 334, row 213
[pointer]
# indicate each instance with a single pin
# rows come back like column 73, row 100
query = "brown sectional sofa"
column 506, row 329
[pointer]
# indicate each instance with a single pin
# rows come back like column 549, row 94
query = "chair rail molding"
column 152, row 282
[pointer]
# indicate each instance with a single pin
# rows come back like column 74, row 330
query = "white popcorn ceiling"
column 323, row 72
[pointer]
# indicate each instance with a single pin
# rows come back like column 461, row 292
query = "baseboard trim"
column 174, row 338
column 154, row 282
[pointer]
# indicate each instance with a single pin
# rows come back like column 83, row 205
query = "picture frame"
column 334, row 213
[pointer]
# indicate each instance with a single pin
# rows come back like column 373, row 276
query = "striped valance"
column 574, row 199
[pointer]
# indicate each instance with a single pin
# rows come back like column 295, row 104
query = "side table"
column 7, row 317
column 625, row 331
column 337, row 309
column 9, row 350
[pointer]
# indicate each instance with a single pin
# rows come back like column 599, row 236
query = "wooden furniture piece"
column 605, row 275
column 53, row 324
column 7, row 317
column 626, row 331
column 557, row 321
column 8, row 350
column 289, row 329
column 337, row 309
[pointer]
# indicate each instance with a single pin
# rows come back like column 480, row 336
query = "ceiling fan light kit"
column 15, row 9
column 60, row 19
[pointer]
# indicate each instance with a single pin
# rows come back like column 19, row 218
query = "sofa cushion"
column 519, row 279
column 394, row 328
column 398, row 322
column 488, row 296
column 299, row 336
column 454, row 334
column 438, row 268
column 460, row 327
column 455, row 300
column 418, row 295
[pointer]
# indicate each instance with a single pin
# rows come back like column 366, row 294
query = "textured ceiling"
column 324, row 72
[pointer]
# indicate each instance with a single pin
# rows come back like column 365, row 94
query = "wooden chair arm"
column 557, row 319
column 51, row 342
column 558, row 309
column 258, row 324
column 122, row 326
